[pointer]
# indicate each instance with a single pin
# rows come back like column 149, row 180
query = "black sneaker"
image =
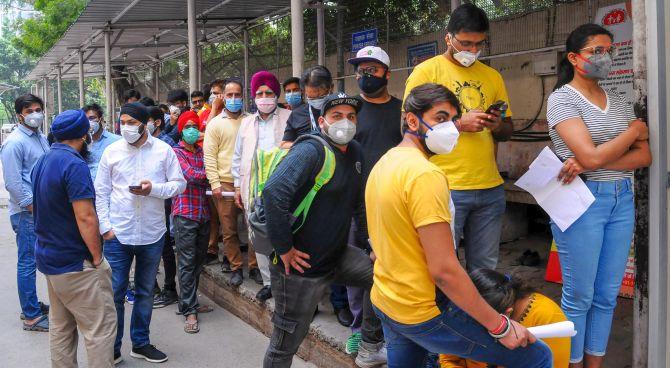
column 167, row 297
column 149, row 353
column 255, row 274
column 211, row 259
column 264, row 294
column 236, row 278
column 344, row 316
column 225, row 266
column 117, row 358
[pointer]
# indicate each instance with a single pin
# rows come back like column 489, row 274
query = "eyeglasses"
column 469, row 44
column 601, row 50
column 265, row 94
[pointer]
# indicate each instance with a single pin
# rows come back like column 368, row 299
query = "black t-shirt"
column 299, row 123
column 378, row 131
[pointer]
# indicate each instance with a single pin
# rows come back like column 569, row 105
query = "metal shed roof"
column 146, row 31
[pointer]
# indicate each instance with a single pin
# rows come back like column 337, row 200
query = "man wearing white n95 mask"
column 135, row 176
column 475, row 182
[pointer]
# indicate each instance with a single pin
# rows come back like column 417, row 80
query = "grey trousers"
column 296, row 298
column 191, row 239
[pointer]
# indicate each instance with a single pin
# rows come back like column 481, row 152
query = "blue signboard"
column 364, row 38
column 421, row 52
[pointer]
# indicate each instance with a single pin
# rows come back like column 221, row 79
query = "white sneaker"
column 371, row 355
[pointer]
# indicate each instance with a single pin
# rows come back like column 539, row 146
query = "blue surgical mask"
column 293, row 98
column 234, row 104
column 95, row 126
column 316, row 103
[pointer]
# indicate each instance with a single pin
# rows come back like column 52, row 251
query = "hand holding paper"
column 560, row 329
column 564, row 203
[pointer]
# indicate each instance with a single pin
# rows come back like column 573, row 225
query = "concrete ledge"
column 324, row 344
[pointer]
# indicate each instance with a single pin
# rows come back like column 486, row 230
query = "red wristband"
column 501, row 327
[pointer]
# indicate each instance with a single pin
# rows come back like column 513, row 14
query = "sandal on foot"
column 191, row 327
column 40, row 325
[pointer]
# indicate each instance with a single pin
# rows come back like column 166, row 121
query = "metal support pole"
column 45, row 99
column 192, row 47
column 297, row 37
column 650, row 340
column 157, row 69
column 200, row 50
column 108, row 78
column 320, row 34
column 245, row 89
column 59, row 86
column 455, row 4
column 82, row 92
column 340, row 49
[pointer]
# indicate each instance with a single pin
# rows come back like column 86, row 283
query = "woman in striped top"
column 595, row 132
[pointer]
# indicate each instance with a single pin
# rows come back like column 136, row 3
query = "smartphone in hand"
column 135, row 187
column 498, row 105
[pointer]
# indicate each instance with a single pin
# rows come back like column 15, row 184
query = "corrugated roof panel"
column 158, row 14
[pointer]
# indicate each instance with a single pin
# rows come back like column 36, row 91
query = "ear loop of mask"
column 586, row 61
column 419, row 134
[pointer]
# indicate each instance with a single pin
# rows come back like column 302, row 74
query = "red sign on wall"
column 616, row 16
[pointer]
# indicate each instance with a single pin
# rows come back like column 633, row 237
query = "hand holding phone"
column 144, row 189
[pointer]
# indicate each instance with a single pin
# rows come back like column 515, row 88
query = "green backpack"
column 265, row 163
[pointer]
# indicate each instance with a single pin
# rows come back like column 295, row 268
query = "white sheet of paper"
column 564, row 203
column 225, row 194
column 560, row 329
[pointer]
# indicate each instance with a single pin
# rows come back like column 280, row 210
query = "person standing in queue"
column 135, row 177
column 475, row 183
column 596, row 133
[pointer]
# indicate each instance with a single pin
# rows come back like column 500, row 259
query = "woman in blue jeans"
column 595, row 132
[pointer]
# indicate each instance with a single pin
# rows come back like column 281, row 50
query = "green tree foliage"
column 23, row 43
column 37, row 35
column 14, row 66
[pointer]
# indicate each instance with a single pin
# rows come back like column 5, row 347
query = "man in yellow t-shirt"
column 471, row 168
column 422, row 295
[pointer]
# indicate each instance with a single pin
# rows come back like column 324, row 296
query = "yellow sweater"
column 540, row 311
column 218, row 147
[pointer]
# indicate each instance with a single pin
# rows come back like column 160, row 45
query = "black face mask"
column 372, row 85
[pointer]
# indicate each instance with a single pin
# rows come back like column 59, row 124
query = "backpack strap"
column 321, row 179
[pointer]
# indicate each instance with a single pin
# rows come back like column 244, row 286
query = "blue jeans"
column 479, row 215
column 455, row 332
column 593, row 254
column 120, row 258
column 22, row 224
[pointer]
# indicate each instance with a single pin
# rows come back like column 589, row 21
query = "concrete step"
column 324, row 344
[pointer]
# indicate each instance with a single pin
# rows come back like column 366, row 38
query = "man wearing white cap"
column 378, row 131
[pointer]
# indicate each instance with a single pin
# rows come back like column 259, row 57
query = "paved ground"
column 224, row 340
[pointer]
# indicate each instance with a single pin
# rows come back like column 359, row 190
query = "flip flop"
column 191, row 327
column 40, row 325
